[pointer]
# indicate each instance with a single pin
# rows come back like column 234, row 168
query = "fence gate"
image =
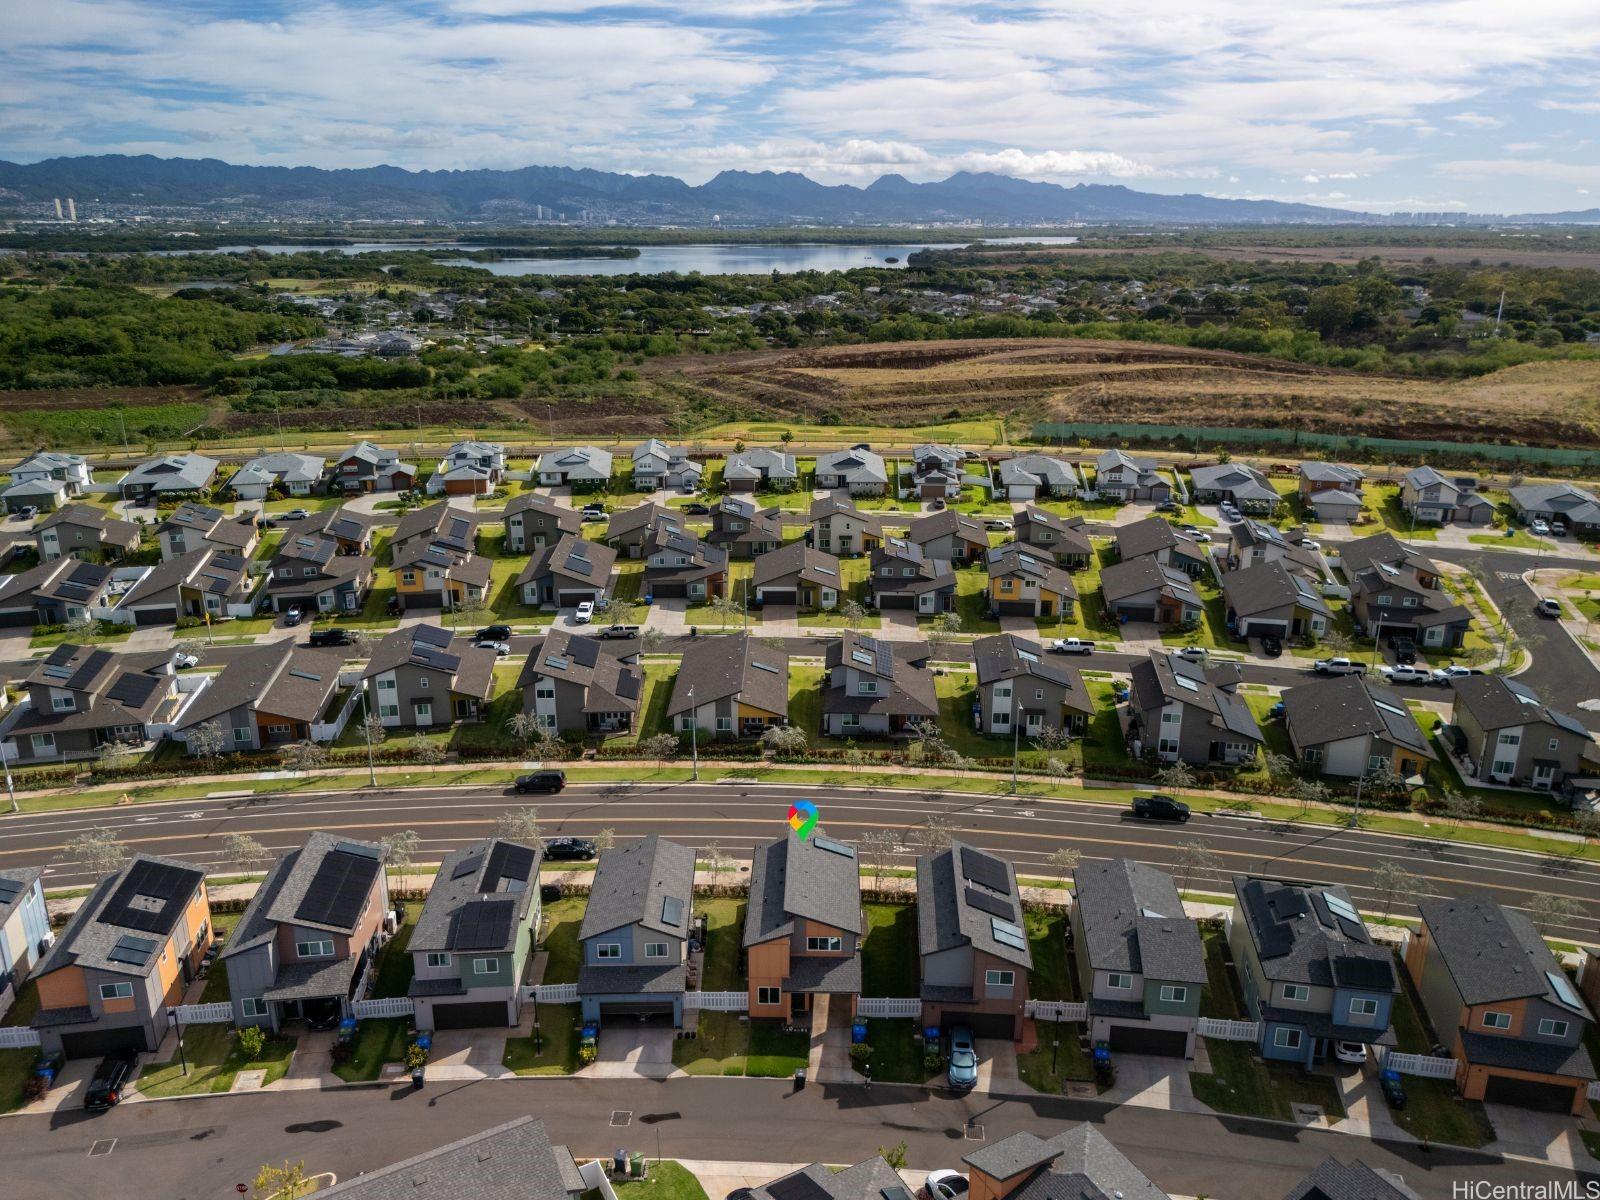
column 1228, row 1031
column 888, row 1006
column 717, row 1001
column 15, row 1037
column 393, row 1006
column 552, row 993
column 216, row 1013
column 1057, row 1010
column 1425, row 1065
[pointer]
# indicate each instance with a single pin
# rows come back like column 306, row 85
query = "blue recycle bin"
column 858, row 1032
column 930, row 1035
column 425, row 1041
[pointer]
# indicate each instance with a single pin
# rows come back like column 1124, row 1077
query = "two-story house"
column 169, row 475
column 1347, row 728
column 904, row 577
column 1238, row 483
column 657, row 465
column 1435, row 499
column 760, row 470
column 633, row 941
column 677, row 564
column 858, row 472
column 730, row 686
column 267, row 695
column 802, row 928
column 1159, row 539
column 1255, row 543
column 1331, row 491
column 573, row 684
column 310, row 574
column 24, row 929
column 1140, row 960
column 305, row 946
column 85, row 532
column 936, row 471
column 533, row 520
column 838, row 528
column 1144, row 590
column 1396, row 592
column 1024, row 584
column 416, row 679
column 1508, row 736
column 1076, row 1164
column 1117, row 476
column 949, row 535
column 876, row 688
column 469, row 468
column 581, row 468
column 351, row 531
column 565, row 572
column 1038, row 476
column 743, row 530
column 366, row 467
column 296, row 474
column 1021, row 691
column 46, row 479
column 1310, row 972
column 80, row 699
column 441, row 522
column 630, row 530
column 1501, row 1004
column 873, row 1179
column 1269, row 600
column 799, row 575
column 124, row 959
column 972, row 950
column 474, row 936
column 209, row 584
column 1182, row 711
column 1065, row 539
column 56, row 592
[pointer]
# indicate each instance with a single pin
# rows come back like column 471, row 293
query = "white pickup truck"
column 1339, row 666
column 1072, row 646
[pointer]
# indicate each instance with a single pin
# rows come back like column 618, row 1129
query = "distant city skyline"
column 1425, row 105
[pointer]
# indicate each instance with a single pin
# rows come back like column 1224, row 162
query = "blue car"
column 962, row 1070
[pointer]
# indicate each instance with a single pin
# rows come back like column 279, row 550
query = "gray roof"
column 797, row 560
column 49, row 460
column 1121, row 580
column 567, row 518
column 736, row 664
column 1236, row 479
column 797, row 879
column 1151, row 535
column 829, row 506
column 212, row 524
column 868, row 1180
column 114, row 911
column 947, row 915
column 641, row 517
column 514, row 1161
column 438, row 522
column 65, row 578
column 280, row 678
column 631, row 979
column 1268, row 587
column 1014, row 558
column 572, row 557
column 1527, row 1054
column 1301, row 938
column 1078, row 1163
column 1496, row 702
column 932, row 574
column 1008, row 656
column 1163, row 679
column 1334, row 1180
column 902, row 664
column 610, row 684
column 282, row 466
column 112, row 529
column 1133, row 920
column 313, row 980
column 1563, row 499
column 346, row 524
column 1492, row 953
column 1038, row 469
column 1424, row 476
column 1331, row 710
column 428, row 647
column 760, row 462
column 219, row 572
column 571, row 458
column 493, row 868
column 24, row 878
column 856, row 466
column 1118, row 458
column 1338, row 473
column 278, row 899
column 631, row 883
column 1385, row 548
column 173, row 473
column 942, row 524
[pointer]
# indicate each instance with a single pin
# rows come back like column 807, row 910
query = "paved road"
column 739, row 815
column 199, row 1149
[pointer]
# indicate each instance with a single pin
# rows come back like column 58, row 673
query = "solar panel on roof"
column 135, row 951
column 1563, row 990
column 1341, row 908
column 993, row 905
column 797, row 1187
column 133, row 690
column 985, row 869
column 508, row 861
column 672, row 911
column 8, row 890
column 60, row 655
column 894, row 1193
column 337, row 890
column 761, row 666
column 91, row 667
column 430, row 635
column 556, row 662
column 862, row 657
column 1186, row 683
column 1007, row 934
column 168, row 885
column 467, row 866
column 833, row 847
column 482, row 925
column 310, row 675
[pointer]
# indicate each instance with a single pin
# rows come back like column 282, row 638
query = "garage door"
column 155, row 616
column 673, row 590
column 19, row 616
column 469, row 1016
column 778, row 596
column 983, row 1024
column 96, row 1043
column 897, row 601
column 1265, row 628
column 1528, row 1093
column 1137, row 614
column 1131, row 1039
column 1016, row 608
column 573, row 599
column 636, row 1009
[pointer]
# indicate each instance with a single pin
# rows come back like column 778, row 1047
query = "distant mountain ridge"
column 742, row 197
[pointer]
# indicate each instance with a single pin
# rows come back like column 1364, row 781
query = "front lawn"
column 214, row 1061
column 378, row 1040
column 558, row 1043
column 1433, row 1109
column 775, row 1054
column 1058, row 1058
column 15, row 1067
column 889, row 953
column 562, row 918
column 667, row 1181
column 1243, row 1085
column 896, row 1052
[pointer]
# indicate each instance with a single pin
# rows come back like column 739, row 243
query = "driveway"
column 997, row 1068
column 1155, row 1081
column 632, row 1051
column 468, row 1053
column 69, row 1088
column 899, row 625
column 1551, row 1136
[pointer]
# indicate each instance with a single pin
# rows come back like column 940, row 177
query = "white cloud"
column 1477, row 120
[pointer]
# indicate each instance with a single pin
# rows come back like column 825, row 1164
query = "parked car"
column 998, row 525
column 568, row 849
column 585, row 613
column 1456, row 671
column 1354, row 1053
column 1558, row 528
column 1072, row 646
column 937, row 503
column 591, row 517
column 501, row 649
column 697, row 510
column 1548, row 608
column 961, row 1071
column 945, row 1185
column 1339, row 666
column 1160, row 808
column 294, row 616
column 540, row 781
column 296, row 514
column 183, row 661
column 1405, row 650
column 110, row 1078
column 27, row 512
column 1169, row 506
column 1538, row 526
column 331, row 637
column 1405, row 673
column 620, row 631
column 493, row 633
column 594, row 507
column 1192, row 653
column 1271, row 646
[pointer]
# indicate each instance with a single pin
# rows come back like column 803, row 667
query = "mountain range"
column 114, row 183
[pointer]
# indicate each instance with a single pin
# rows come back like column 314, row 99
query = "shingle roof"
column 282, row 466
column 209, row 569
column 1163, row 679
column 903, row 665
column 572, row 557
column 21, row 879
column 955, row 908
column 493, row 868
column 641, row 517
column 113, row 530
column 732, row 665
column 1526, row 1054
column 1133, row 920
column 1014, row 558
column 567, row 519
column 1268, row 587
column 941, row 524
column 345, row 524
column 1076, row 1164
column 427, row 646
column 1007, row 656
column 1334, row 1180
column 631, row 882
column 441, row 522
column 1236, row 479
column 1326, row 472
column 1496, row 702
column 870, row 1180
column 1151, row 535
column 287, row 903
column 281, row 678
column 1124, row 579
column 828, row 506
column 610, row 684
column 144, row 898
column 932, row 574
column 573, row 457
column 750, row 464
column 1039, row 470
column 856, row 466
column 514, row 1161
column 173, row 472
column 1492, row 953
column 1300, row 937
column 1563, row 499
column 800, row 561
column 1367, row 552
column 793, row 879
column 1334, row 709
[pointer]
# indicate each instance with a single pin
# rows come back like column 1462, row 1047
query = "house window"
column 1408, row 602
column 1171, row 718
column 1496, row 1020
column 386, row 685
column 422, row 682
column 254, row 1006
column 1550, row 1028
column 908, row 572
column 1002, row 717
column 1376, row 762
column 1038, row 694
column 1296, row 991
column 724, row 724
column 850, row 721
column 1286, row 1039
column 278, row 730
column 319, row 949
column 241, row 733
column 1122, row 983
column 822, row 943
column 655, row 949
column 437, row 959
column 62, row 703
column 1172, row 994
column 768, row 995
column 999, row 978
column 408, row 577
column 486, row 966
column 1363, row 1008
column 1510, row 739
column 44, row 743
column 1311, row 754
column 116, row 991
column 1553, row 744
column 608, row 950
column 867, row 687
column 388, row 710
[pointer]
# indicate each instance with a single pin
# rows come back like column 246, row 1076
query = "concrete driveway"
column 1551, row 1136
column 1154, row 1080
column 69, row 1088
column 468, row 1053
column 632, row 1051
column 997, row 1068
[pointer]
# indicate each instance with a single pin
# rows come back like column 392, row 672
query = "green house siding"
column 1189, row 1006
column 472, row 978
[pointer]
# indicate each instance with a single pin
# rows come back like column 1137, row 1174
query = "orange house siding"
column 64, row 987
column 1519, row 1015
column 768, row 967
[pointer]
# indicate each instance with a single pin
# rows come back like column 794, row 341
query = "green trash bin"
column 636, row 1165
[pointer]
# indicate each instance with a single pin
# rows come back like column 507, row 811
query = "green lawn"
column 805, row 699
column 557, row 1054
column 562, row 919
column 216, row 988
column 15, row 1067
column 853, row 585
column 106, row 633
column 972, row 601
column 1243, row 1085
column 1221, row 998
column 653, row 700
column 1433, row 1109
column 1519, row 539
column 896, row 1052
column 214, row 1060
column 667, row 1181
column 378, row 1040
column 775, row 1054
column 889, row 954
column 1050, row 978
column 740, row 590
column 1088, row 618
column 721, row 1040
column 1212, row 632
column 1057, row 1058
column 1398, row 521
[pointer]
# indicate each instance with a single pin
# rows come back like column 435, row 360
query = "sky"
column 1378, row 105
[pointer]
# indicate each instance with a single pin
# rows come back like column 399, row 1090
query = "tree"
column 547, row 746
column 1057, row 768
column 1390, row 880
column 1050, row 737
column 1386, row 781
column 604, row 840
column 725, row 607
column 97, row 851
column 287, row 1182
column 935, row 833
column 652, row 639
column 783, row 739
column 660, row 746
column 524, row 726
column 1278, row 766
column 1548, row 910
column 399, row 848
column 519, row 825
column 372, row 728
column 1064, row 861
column 945, row 626
column 895, row 1156
column 84, row 628
column 1196, row 858
column 855, row 758
column 1176, row 775
column 716, row 860
column 786, row 437
column 304, row 756
column 876, row 847
column 206, row 740
column 1458, row 807
column 853, row 612
column 1310, row 791
column 243, row 851
column 251, row 1042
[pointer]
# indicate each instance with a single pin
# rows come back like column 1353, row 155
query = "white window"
column 388, row 710
column 1038, row 694
column 486, row 966
column 1311, row 754
column 724, row 723
column 1376, row 762
column 1408, row 602
column 241, row 733
column 1496, row 1020
column 386, row 685
column 1171, row 718
column 44, row 743
column 1296, row 991
column 768, row 995
column 62, row 703
column 1002, row 691
column 1363, row 1008
column 1550, row 1028
column 422, row 682
column 1122, row 983
column 655, row 949
column 437, row 959
column 1002, row 717
column 1286, row 1039
column 116, row 991
column 867, row 687
column 908, row 572
column 1510, row 739
column 1553, row 744
column 850, row 721
column 1172, row 994
column 999, row 978
column 544, row 691
column 317, row 949
column 254, row 1006
column 608, row 950
column 822, row 943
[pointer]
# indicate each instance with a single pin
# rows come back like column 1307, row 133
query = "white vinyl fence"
column 1425, row 1065
column 393, row 1006
column 717, row 1001
column 888, row 1006
column 216, row 1013
column 1057, row 1010
column 17, row 1036
column 1228, row 1031
column 551, row 993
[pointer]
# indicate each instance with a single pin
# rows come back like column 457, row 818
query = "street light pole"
column 1016, row 737
column 366, row 728
column 11, row 792
column 694, row 738
column 1355, row 816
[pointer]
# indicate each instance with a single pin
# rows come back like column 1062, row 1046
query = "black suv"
column 493, row 633
column 1271, row 646
column 110, row 1077
column 330, row 637
column 540, row 781
column 1160, row 808
column 1405, row 650
column 568, row 849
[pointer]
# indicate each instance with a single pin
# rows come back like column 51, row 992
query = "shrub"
column 416, row 1056
column 932, row 1062
column 860, row 1055
column 587, row 1054
column 251, row 1042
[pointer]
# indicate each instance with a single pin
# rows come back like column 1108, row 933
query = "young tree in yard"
column 725, row 607
column 1197, row 859
column 604, row 840
column 287, row 1182
column 1586, row 825
column 716, row 860
column 1177, row 775
column 1309, row 792
column 207, row 741
column 855, row 758
column 524, row 726
column 1390, row 881
column 1057, row 768
column 876, row 847
column 399, row 848
column 519, row 825
column 372, row 729
column 934, row 834
column 853, row 613
column 430, row 754
column 547, row 747
column 304, row 756
column 660, row 746
column 1050, row 737
column 651, row 640
column 1064, row 861
column 895, row 1156
column 1278, row 766
column 97, row 851
column 1548, row 910
column 783, row 739
column 1457, row 808
column 944, row 627
column 84, row 629
column 244, row 852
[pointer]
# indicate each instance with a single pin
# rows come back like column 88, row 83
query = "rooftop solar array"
column 168, row 887
column 338, row 889
column 508, row 861
column 986, row 870
column 467, row 866
column 1007, row 934
column 797, row 1187
column 672, row 911
column 1340, row 908
column 483, row 925
column 135, row 951
column 9, row 889
column 1350, row 970
column 833, row 847
column 1563, row 990
column 993, row 905
column 92, row 666
column 133, row 689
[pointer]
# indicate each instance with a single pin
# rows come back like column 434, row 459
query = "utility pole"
column 1355, row 817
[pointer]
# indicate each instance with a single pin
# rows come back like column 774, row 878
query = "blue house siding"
column 1271, row 1050
column 1361, row 1028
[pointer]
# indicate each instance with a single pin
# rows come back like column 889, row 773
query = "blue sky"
column 1434, row 105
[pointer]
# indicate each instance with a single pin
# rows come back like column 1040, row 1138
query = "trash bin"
column 619, row 1163
column 799, row 1079
column 636, row 1165
column 858, row 1032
